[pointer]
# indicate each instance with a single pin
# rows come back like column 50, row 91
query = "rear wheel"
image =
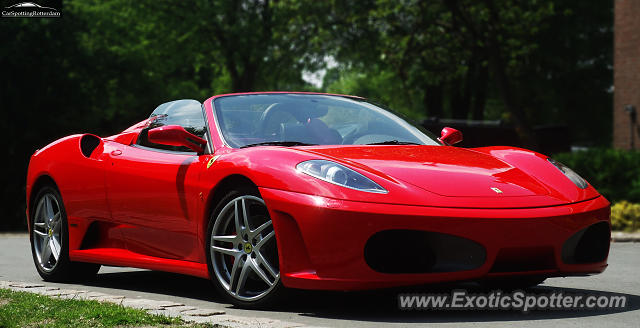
column 243, row 255
column 50, row 240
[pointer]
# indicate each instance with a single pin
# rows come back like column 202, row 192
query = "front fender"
column 275, row 168
column 537, row 166
column 75, row 164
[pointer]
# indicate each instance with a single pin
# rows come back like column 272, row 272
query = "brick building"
column 626, row 73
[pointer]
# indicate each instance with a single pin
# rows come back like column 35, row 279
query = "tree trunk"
column 480, row 90
column 246, row 79
column 456, row 102
column 498, row 66
column 518, row 115
column 432, row 100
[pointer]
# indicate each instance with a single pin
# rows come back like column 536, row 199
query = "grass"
column 21, row 309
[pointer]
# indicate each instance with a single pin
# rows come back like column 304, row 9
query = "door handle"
column 116, row 153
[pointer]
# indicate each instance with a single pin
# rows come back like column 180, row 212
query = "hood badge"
column 498, row 191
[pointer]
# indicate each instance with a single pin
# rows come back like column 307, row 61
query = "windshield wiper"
column 394, row 142
column 279, row 143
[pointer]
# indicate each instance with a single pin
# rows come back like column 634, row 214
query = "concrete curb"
column 170, row 309
column 620, row 236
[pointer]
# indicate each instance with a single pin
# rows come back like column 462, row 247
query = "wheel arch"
column 218, row 192
column 40, row 182
column 229, row 188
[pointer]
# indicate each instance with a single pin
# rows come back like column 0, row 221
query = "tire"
column 512, row 283
column 49, row 236
column 244, row 266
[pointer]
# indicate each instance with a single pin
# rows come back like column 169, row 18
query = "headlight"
column 573, row 176
column 340, row 175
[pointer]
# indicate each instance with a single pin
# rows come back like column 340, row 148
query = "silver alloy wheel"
column 243, row 249
column 47, row 226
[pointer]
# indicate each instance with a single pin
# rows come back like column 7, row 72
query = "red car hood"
column 446, row 171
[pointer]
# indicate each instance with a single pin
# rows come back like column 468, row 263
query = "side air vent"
column 89, row 143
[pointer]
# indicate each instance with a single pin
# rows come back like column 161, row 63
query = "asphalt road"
column 362, row 309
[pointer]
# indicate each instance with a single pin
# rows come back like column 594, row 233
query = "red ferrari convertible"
column 260, row 192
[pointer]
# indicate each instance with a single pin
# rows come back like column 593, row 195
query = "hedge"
column 614, row 173
column 625, row 216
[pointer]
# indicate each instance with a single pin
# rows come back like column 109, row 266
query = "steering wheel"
column 354, row 134
column 266, row 117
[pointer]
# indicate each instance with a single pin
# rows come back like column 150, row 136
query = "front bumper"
column 321, row 241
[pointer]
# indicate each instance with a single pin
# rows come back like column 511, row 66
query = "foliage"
column 104, row 65
column 456, row 58
column 247, row 42
column 615, row 173
column 382, row 86
column 625, row 216
column 21, row 309
column 568, row 78
column 457, row 42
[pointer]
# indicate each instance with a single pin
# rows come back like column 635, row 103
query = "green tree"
column 241, row 45
column 569, row 77
column 457, row 45
column 104, row 65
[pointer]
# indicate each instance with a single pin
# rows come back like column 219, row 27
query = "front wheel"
column 243, row 254
column 50, row 240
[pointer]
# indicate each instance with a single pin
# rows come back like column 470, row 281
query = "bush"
column 625, row 216
column 615, row 173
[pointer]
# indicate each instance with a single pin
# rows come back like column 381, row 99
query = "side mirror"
column 450, row 136
column 175, row 135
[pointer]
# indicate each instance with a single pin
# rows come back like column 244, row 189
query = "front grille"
column 518, row 259
column 413, row 251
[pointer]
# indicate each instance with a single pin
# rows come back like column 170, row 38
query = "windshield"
column 311, row 119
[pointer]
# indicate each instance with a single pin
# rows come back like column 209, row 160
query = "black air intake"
column 413, row 251
column 589, row 245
